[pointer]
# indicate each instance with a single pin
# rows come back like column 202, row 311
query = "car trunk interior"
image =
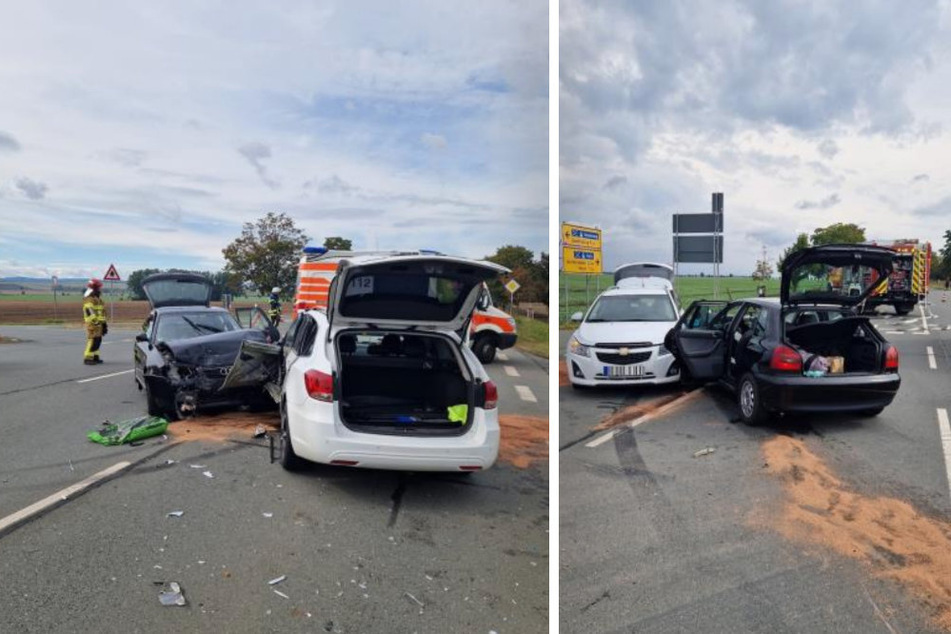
column 851, row 338
column 403, row 383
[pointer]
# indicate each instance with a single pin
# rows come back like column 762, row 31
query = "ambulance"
column 490, row 329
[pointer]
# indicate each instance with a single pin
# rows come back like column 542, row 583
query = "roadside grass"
column 532, row 336
column 581, row 292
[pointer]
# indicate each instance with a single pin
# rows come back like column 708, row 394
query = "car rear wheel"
column 289, row 460
column 484, row 348
column 748, row 399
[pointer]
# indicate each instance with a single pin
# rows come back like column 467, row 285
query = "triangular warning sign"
column 112, row 275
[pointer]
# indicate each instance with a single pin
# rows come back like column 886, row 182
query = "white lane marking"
column 894, row 332
column 945, row 430
column 909, row 321
column 931, row 360
column 510, row 370
column 60, row 496
column 600, row 440
column 525, row 393
column 501, row 356
column 104, row 376
column 924, row 320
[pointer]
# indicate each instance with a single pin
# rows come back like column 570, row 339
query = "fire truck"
column 490, row 328
column 909, row 280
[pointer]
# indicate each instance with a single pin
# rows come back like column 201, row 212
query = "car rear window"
column 179, row 326
column 655, row 307
column 416, row 296
column 813, row 315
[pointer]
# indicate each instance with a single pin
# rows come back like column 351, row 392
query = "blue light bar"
column 311, row 249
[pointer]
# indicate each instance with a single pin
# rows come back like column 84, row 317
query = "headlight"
column 576, row 347
column 662, row 351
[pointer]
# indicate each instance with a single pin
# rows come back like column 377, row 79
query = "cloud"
column 828, row 148
column 941, row 208
column 829, row 201
column 615, row 181
column 8, row 143
column 920, row 178
column 125, row 157
column 433, row 141
column 255, row 153
column 34, row 190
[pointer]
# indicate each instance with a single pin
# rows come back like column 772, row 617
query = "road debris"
column 170, row 461
column 277, row 580
column 415, row 600
column 281, row 594
column 172, row 596
column 197, row 466
column 175, row 513
column 128, row 431
column 259, row 431
column 208, row 474
column 706, row 451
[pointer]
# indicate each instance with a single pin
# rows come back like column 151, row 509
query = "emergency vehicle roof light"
column 311, row 249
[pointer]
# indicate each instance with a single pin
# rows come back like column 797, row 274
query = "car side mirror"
column 142, row 337
column 577, row 316
column 483, row 302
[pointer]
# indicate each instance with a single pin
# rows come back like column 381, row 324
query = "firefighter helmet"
column 276, row 290
column 94, row 283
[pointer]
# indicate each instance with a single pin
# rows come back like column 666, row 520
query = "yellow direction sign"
column 511, row 286
column 573, row 235
column 578, row 260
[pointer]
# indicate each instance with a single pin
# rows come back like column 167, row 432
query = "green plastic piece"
column 128, row 430
column 458, row 413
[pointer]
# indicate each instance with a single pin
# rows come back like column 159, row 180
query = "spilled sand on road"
column 633, row 412
column 888, row 535
column 224, row 426
column 524, row 440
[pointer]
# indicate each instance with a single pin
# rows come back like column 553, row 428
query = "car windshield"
column 187, row 325
column 655, row 307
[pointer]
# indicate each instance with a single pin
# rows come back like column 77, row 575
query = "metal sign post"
column 706, row 248
column 511, row 286
column 55, row 283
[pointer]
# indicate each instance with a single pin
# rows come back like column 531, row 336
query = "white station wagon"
column 383, row 377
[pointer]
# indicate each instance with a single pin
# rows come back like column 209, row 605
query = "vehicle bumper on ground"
column 828, row 393
column 507, row 340
column 591, row 370
column 318, row 435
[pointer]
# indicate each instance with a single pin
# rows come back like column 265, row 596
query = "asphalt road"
column 362, row 550
column 654, row 539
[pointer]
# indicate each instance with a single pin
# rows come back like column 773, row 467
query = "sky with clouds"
column 804, row 113
column 145, row 134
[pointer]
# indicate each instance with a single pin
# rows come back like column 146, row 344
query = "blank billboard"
column 698, row 249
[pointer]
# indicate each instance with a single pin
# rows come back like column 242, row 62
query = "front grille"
column 617, row 346
column 624, row 359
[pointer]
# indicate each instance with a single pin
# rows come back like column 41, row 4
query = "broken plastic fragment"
column 208, row 474
column 259, row 431
column 175, row 513
column 281, row 594
column 277, row 580
column 415, row 600
column 173, row 596
column 197, row 466
column 704, row 452
column 268, row 515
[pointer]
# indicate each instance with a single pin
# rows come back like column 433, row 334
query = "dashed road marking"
column 510, row 370
column 924, row 320
column 525, row 393
column 931, row 360
column 12, row 521
column 945, row 430
column 104, row 376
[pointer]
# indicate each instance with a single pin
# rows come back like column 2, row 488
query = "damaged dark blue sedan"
column 187, row 347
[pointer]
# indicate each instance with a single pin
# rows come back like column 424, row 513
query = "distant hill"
column 21, row 283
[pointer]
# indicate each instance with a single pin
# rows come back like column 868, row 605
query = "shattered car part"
column 172, row 596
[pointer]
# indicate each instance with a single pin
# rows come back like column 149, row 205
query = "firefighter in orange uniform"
column 94, row 314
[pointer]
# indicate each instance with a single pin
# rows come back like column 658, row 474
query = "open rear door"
column 698, row 340
column 257, row 364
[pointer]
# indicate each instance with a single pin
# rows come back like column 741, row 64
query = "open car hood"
column 643, row 270
column 177, row 289
column 414, row 291
column 843, row 274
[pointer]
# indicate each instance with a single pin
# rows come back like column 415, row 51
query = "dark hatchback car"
column 808, row 351
column 188, row 347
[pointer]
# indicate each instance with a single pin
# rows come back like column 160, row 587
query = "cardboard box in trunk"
column 836, row 365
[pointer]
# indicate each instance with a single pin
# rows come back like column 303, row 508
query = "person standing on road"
column 274, row 312
column 94, row 314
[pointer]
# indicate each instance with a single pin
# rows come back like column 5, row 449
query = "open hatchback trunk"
column 852, row 340
column 843, row 274
column 177, row 289
column 404, row 382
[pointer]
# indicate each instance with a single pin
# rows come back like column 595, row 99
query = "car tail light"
column 491, row 395
column 891, row 359
column 785, row 359
column 320, row 385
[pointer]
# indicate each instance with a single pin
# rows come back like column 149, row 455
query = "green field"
column 532, row 336
column 580, row 292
